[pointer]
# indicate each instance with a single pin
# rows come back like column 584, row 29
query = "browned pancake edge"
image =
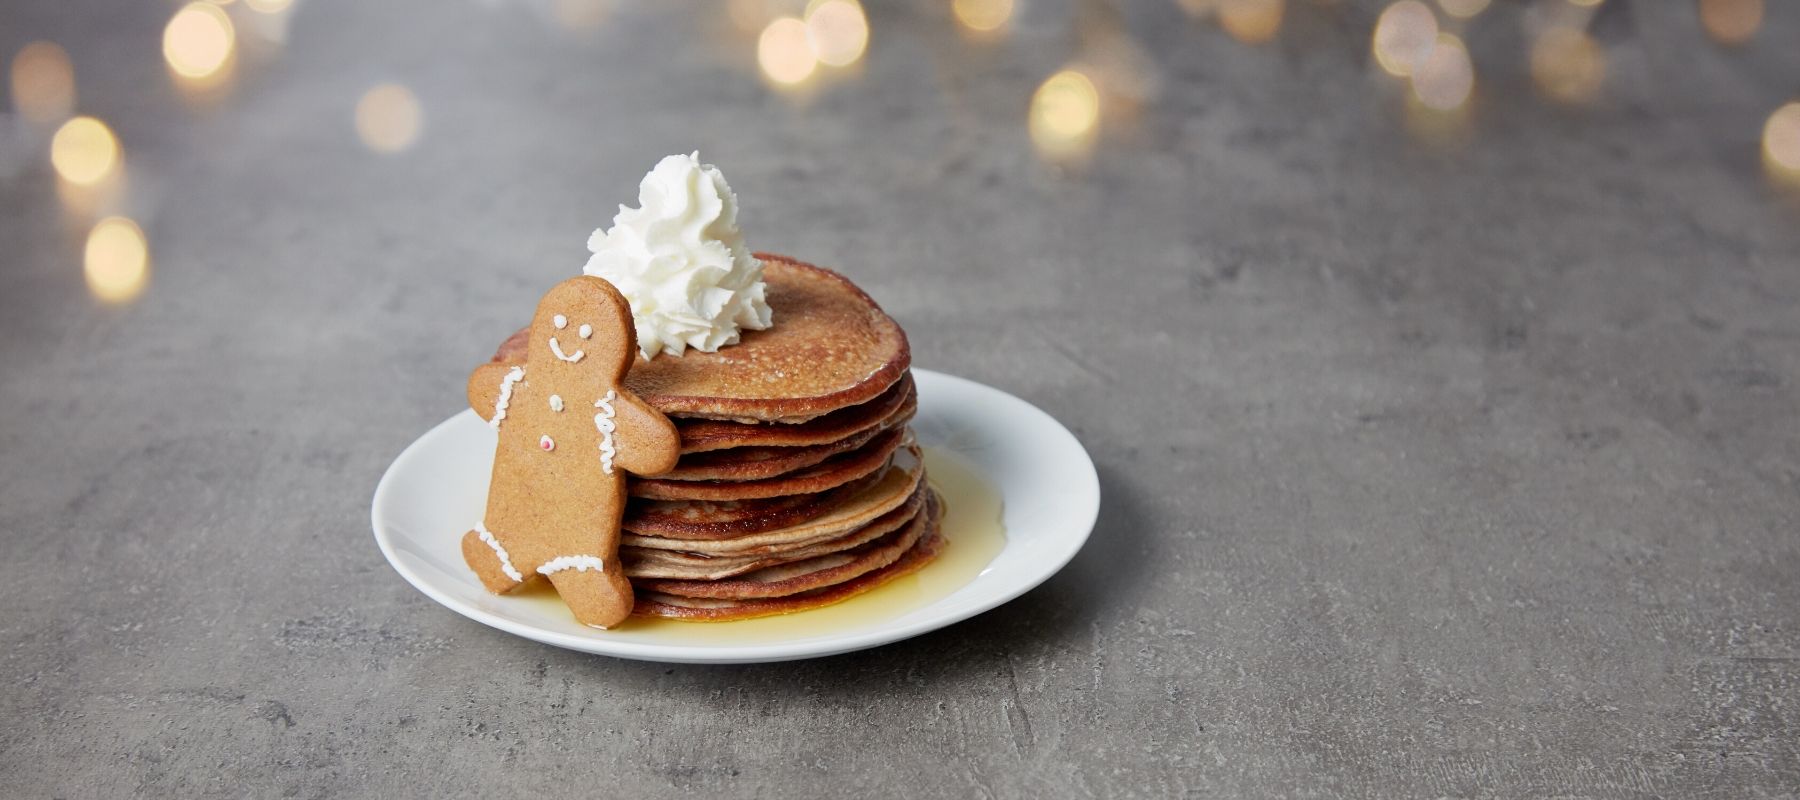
column 645, row 562
column 650, row 604
column 727, row 519
column 805, row 574
column 758, row 463
column 829, row 474
column 895, row 485
column 709, row 435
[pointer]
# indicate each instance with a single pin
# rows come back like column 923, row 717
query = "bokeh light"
column 1065, row 114
column 1446, row 77
column 43, row 83
column 1585, row 3
column 1731, row 22
column 838, row 31
column 388, row 118
column 982, row 16
column 269, row 6
column 1781, row 140
column 1251, row 21
column 1405, row 34
column 1463, row 9
column 84, row 151
column 783, row 52
column 1568, row 65
column 199, row 40
column 116, row 260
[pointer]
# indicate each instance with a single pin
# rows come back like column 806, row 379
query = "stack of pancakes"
column 799, row 484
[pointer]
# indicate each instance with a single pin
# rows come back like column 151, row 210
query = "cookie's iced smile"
column 557, row 349
column 562, row 322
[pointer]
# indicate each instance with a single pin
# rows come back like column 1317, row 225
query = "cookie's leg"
column 488, row 558
column 599, row 597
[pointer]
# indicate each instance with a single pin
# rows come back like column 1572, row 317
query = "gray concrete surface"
column 1433, row 467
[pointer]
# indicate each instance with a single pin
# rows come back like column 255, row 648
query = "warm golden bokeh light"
column 1463, row 9
column 1731, row 21
column 1781, row 140
column 1405, row 34
column 269, row 6
column 1568, row 65
column 784, row 53
column 982, row 16
column 388, row 118
column 199, row 40
column 84, row 151
column 838, row 31
column 43, row 83
column 1251, row 21
column 1446, row 77
column 1065, row 114
column 116, row 260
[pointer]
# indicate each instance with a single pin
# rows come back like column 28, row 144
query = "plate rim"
column 1068, row 547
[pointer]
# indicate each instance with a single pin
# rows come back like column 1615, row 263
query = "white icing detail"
column 557, row 349
column 560, row 321
column 505, row 562
column 604, row 421
column 586, row 331
column 577, row 563
column 681, row 261
column 547, row 443
column 556, row 402
column 513, row 376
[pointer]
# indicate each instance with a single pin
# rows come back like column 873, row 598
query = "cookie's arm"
column 484, row 387
column 648, row 441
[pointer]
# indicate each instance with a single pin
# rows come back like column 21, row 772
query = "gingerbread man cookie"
column 569, row 431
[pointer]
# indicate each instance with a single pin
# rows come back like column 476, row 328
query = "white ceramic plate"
column 437, row 489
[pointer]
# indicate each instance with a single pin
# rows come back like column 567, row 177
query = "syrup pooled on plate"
column 972, row 524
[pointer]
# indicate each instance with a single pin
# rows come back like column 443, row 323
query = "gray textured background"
column 1462, row 468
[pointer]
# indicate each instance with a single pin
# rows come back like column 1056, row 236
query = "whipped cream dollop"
column 680, row 260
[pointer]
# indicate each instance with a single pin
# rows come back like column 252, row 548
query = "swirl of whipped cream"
column 680, row 260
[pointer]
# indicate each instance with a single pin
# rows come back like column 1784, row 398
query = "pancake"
column 891, row 491
column 725, row 519
column 758, row 463
column 805, row 575
column 831, row 347
column 642, row 562
column 706, row 435
column 695, row 609
column 828, row 474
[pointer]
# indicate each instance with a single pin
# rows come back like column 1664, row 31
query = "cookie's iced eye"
column 586, row 331
column 560, row 321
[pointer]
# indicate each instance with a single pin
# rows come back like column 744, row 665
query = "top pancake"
column 830, row 347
